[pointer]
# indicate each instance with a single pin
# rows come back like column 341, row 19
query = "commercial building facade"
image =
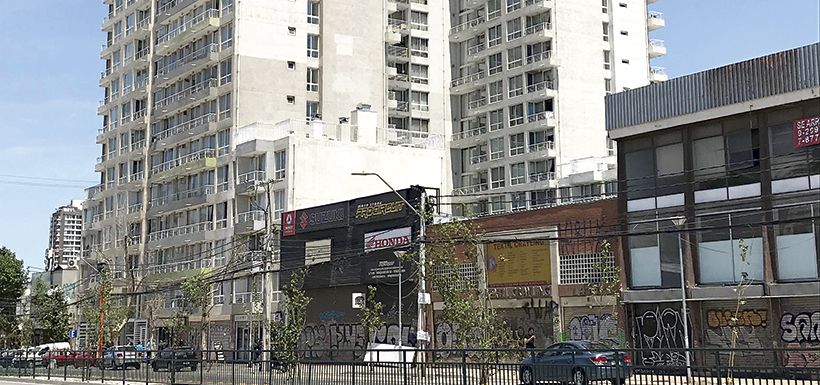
column 720, row 168
column 528, row 82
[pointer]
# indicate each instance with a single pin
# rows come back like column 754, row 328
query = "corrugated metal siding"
column 778, row 73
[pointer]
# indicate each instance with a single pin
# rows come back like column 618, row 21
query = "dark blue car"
column 576, row 362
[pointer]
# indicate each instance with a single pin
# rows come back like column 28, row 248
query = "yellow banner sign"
column 522, row 263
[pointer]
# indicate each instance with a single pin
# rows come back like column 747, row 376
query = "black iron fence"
column 423, row 367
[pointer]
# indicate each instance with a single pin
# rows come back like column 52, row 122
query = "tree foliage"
column 285, row 333
column 467, row 305
column 604, row 285
column 371, row 314
column 197, row 289
column 13, row 277
column 114, row 314
column 49, row 312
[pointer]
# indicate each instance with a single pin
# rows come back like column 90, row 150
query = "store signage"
column 387, row 239
column 384, row 270
column 320, row 218
column 379, row 208
column 289, row 223
column 519, row 263
column 543, row 291
column 806, row 132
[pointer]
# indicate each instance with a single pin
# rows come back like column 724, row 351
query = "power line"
column 46, row 178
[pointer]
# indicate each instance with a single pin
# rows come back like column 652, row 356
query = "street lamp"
column 422, row 261
column 680, row 222
column 399, row 254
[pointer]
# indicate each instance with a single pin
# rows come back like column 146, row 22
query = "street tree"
column 467, row 307
column 197, row 289
column 13, row 277
column 371, row 315
column 285, row 333
column 604, row 287
column 49, row 312
column 100, row 302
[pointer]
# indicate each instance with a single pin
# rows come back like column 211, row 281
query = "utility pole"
column 100, row 332
column 268, row 257
column 420, row 326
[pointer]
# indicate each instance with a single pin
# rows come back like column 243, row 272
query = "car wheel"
column 617, row 381
column 526, row 376
column 579, row 377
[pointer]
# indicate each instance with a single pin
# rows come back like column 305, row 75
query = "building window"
column 311, row 110
column 496, row 93
column 496, row 64
column 496, row 120
column 654, row 257
column 796, row 242
column 496, row 148
column 720, row 259
column 496, row 204
column 513, row 29
column 606, row 31
column 313, row 79
column 497, row 176
column 516, row 115
column 418, row 20
column 518, row 174
column 312, row 45
column 514, row 58
column 291, row 65
column 518, row 201
column 419, row 125
column 494, row 36
column 418, row 101
column 292, row 31
column 290, row 99
column 419, row 74
column 515, row 86
column 280, row 165
column 517, row 144
column 312, row 12
column 317, row 252
column 419, row 47
column 278, row 204
column 225, row 102
column 607, row 64
column 225, row 71
column 538, row 198
column 608, row 85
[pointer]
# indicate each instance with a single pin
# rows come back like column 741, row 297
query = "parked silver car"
column 576, row 361
column 121, row 357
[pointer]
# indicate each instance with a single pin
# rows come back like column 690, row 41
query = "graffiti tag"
column 591, row 327
column 721, row 318
column 660, row 328
column 799, row 328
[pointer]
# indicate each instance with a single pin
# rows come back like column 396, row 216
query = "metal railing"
column 468, row 79
column 337, row 364
column 192, row 22
column 200, row 53
column 251, row 176
column 201, row 154
column 253, row 215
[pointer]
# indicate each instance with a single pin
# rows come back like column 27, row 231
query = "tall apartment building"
column 65, row 237
column 528, row 87
column 180, row 78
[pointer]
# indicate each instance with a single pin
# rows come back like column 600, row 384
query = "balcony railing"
column 247, row 216
column 408, row 138
column 542, row 146
column 467, row 24
column 398, row 51
column 544, row 85
column 538, row 116
column 537, row 28
column 478, row 159
column 200, row 53
column 182, row 230
column 194, row 21
column 542, row 176
column 183, row 127
column 478, row 103
column 539, row 57
column 470, row 133
column 201, row 154
column 472, row 189
column 212, row 82
column 474, row 77
column 251, row 177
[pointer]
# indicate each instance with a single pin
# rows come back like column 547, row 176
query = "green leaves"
column 285, row 333
column 371, row 313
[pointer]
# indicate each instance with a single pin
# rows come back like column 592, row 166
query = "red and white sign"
column 289, row 223
column 387, row 239
column 806, row 132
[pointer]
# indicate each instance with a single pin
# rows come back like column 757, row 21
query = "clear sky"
column 50, row 66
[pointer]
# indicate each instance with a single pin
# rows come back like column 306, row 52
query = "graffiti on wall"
column 322, row 339
column 801, row 327
column 593, row 327
column 724, row 317
column 659, row 328
column 580, row 236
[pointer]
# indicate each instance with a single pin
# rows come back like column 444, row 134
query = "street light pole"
column 679, row 223
column 422, row 257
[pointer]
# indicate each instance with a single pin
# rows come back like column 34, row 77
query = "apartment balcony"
column 399, row 26
column 105, row 76
column 538, row 120
column 139, row 60
column 467, row 83
column 191, row 128
column 408, row 138
column 423, row 5
column 468, row 137
column 658, row 74
column 249, row 221
column 397, row 80
column 472, row 189
column 180, row 235
column 398, row 53
column 466, row 30
column 540, row 91
column 174, row 7
column 396, row 5
column 538, row 33
column 195, row 60
column 205, row 22
column 249, row 183
column 180, row 200
column 398, row 107
column 188, row 164
column 140, row 30
column 546, row 179
column 539, row 61
column 656, row 48
column 655, row 20
column 195, row 93
column 534, row 7
column 475, row 107
column 547, row 149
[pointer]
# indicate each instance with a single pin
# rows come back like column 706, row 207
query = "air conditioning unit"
column 72, row 263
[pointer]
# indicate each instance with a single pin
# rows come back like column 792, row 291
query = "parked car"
column 29, row 357
column 576, row 361
column 176, row 358
column 84, row 359
column 59, row 357
column 120, row 357
column 5, row 358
